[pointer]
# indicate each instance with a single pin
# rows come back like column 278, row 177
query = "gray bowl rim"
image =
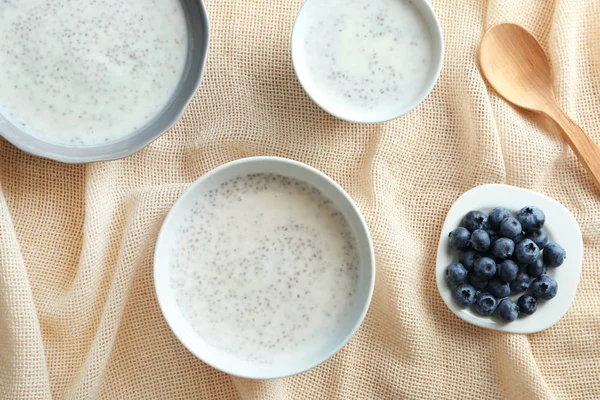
column 94, row 155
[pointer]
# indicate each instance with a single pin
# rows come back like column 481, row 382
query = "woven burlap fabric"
column 79, row 317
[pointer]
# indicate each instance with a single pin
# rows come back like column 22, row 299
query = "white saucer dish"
column 561, row 228
column 226, row 361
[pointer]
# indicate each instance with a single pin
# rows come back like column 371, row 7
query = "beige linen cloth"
column 78, row 314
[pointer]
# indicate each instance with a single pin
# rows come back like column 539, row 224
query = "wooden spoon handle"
column 583, row 146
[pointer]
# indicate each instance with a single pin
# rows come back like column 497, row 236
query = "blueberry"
column 522, row 267
column 539, row 238
column 459, row 238
column 536, row 268
column 519, row 238
column 498, row 289
column 527, row 252
column 503, row 248
column 485, row 268
column 485, row 304
column 510, row 227
column 476, row 282
column 474, row 220
column 497, row 215
column 464, row 295
column 467, row 258
column 493, row 235
column 456, row 274
column 508, row 271
column 480, row 240
column 544, row 288
column 531, row 218
column 520, row 284
column 527, row 304
column 554, row 255
column 508, row 311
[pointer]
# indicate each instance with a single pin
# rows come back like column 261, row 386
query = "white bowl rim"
column 571, row 239
column 311, row 170
column 134, row 146
column 436, row 30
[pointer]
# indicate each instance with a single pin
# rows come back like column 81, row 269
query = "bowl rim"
column 133, row 146
column 437, row 33
column 326, row 355
column 571, row 239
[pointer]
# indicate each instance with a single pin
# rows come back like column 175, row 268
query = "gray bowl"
column 198, row 29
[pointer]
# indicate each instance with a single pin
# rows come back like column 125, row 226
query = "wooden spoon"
column 516, row 66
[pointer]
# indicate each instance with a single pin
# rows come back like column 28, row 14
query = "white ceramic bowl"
column 198, row 30
column 229, row 363
column 561, row 228
column 303, row 22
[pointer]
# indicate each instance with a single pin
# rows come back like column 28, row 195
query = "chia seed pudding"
column 365, row 56
column 87, row 72
column 265, row 268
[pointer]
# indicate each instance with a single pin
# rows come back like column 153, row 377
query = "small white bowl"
column 229, row 363
column 302, row 23
column 561, row 228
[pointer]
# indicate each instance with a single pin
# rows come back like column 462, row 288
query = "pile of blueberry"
column 500, row 254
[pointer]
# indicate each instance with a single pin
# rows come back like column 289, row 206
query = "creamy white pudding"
column 88, row 72
column 363, row 59
column 265, row 268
